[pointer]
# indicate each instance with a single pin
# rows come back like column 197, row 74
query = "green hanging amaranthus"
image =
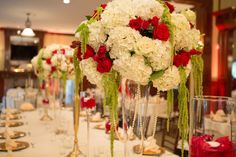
column 183, row 107
column 110, row 80
column 111, row 85
column 170, row 102
column 78, row 72
column 197, row 70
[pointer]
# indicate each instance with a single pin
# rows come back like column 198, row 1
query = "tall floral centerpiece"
column 54, row 61
column 151, row 44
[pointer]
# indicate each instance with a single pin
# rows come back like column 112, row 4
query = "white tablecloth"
column 47, row 144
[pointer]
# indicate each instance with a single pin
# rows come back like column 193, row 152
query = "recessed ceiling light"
column 66, row 1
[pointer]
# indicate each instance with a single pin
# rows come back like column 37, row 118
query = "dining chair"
column 170, row 137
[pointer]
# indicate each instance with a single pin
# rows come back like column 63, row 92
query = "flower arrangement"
column 151, row 44
column 54, row 61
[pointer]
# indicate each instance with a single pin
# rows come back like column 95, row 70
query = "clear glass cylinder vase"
column 134, row 104
column 213, row 127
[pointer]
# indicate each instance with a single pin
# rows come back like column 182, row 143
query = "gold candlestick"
column 76, row 152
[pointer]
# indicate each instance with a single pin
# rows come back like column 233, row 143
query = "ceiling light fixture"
column 28, row 30
column 66, row 1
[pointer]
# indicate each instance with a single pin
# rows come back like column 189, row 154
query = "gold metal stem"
column 76, row 152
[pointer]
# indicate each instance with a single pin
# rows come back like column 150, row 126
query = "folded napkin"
column 97, row 116
column 201, row 148
column 150, row 144
column 26, row 106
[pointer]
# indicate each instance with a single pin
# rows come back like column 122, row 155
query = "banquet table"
column 45, row 143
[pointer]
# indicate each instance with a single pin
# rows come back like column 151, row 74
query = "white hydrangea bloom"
column 49, row 49
column 145, row 46
column 89, row 68
column 117, row 13
column 97, row 35
column 161, row 58
column 184, row 36
column 147, row 9
column 169, row 80
column 190, row 15
column 179, row 21
column 122, row 41
column 133, row 68
column 69, row 52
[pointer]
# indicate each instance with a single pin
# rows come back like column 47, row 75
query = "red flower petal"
column 48, row 61
column 170, row 6
column 155, row 21
column 161, row 32
column 104, row 65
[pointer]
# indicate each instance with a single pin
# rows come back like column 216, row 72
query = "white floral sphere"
column 88, row 67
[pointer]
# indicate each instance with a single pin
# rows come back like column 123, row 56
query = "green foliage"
column 78, row 72
column 156, row 74
column 84, row 35
column 170, row 102
column 83, row 29
column 197, row 70
column 183, row 107
column 111, row 84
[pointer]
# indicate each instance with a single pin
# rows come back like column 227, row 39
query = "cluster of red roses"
column 152, row 28
column 183, row 57
column 104, row 63
column 90, row 103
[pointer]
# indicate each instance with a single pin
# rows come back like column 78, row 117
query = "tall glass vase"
column 134, row 104
column 45, row 101
column 213, row 127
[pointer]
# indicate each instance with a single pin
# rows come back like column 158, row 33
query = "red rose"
column 135, row 23
column 194, row 52
column 102, row 51
column 155, row 21
column 48, row 61
column 104, row 6
column 75, row 44
column 181, row 59
column 161, row 32
column 53, row 69
column 54, row 52
column 104, row 65
column 90, row 103
column 63, row 51
column 170, row 6
column 95, row 58
column 145, row 24
column 78, row 54
column 108, row 127
column 89, row 52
